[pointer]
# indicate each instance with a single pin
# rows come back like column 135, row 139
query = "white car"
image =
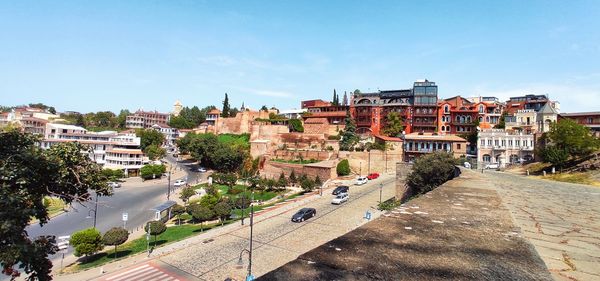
column 179, row 183
column 340, row 198
column 113, row 184
column 361, row 180
column 202, row 170
column 492, row 166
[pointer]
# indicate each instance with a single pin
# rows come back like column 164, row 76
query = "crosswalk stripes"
column 144, row 272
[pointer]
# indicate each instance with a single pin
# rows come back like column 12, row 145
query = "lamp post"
column 249, row 251
column 169, row 183
column 95, row 210
column 360, row 170
column 380, row 192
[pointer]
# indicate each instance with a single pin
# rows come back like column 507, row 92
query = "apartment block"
column 109, row 149
column 28, row 119
column 335, row 114
column 498, row 146
column 145, row 119
column 588, row 119
column 171, row 134
column 417, row 108
column 460, row 115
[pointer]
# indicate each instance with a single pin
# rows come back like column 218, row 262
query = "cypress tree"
column 226, row 108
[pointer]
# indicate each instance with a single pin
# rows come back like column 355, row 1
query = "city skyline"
column 112, row 55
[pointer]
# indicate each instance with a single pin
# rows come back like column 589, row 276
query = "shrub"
column 343, row 168
column 178, row 210
column 152, row 171
column 430, row 171
column 115, row 237
column 86, row 242
column 222, row 211
column 307, row 184
column 200, row 213
column 186, row 193
column 155, row 228
column 329, row 148
column 333, row 137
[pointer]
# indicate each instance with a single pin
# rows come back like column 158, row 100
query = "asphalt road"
column 136, row 200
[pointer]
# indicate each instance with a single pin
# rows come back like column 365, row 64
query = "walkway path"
column 561, row 220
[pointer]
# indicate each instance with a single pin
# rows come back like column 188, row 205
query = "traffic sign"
column 66, row 237
column 125, row 215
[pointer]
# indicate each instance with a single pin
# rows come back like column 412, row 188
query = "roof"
column 214, row 111
column 574, row 114
column 431, row 136
column 164, row 206
column 316, row 120
column 65, row 126
column 548, row 109
column 128, row 151
column 386, row 138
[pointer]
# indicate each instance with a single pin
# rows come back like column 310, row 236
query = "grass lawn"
column 55, row 206
column 581, row 178
column 238, row 212
column 172, row 234
column 309, row 161
column 258, row 195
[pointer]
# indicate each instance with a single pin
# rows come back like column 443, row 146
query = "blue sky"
column 108, row 55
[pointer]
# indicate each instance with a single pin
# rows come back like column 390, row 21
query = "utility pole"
column 369, row 165
column 380, row 191
column 96, row 210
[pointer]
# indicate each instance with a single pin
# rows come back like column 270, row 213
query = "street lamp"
column 169, row 184
column 240, row 262
column 380, row 191
column 95, row 210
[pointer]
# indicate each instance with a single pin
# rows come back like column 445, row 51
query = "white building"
column 171, row 134
column 109, row 148
column 501, row 147
column 292, row 113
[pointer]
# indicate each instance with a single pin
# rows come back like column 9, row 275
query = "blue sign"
column 249, row 277
column 368, row 215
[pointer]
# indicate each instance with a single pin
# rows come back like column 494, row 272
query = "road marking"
column 145, row 272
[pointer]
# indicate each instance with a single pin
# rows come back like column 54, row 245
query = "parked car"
column 113, row 184
column 202, row 170
column 340, row 198
column 304, row 214
column 175, row 155
column 492, row 166
column 373, row 176
column 361, row 180
column 340, row 189
column 179, row 183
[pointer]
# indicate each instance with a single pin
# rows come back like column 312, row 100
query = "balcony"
column 424, row 124
column 328, row 114
column 363, row 123
column 498, row 147
column 426, row 150
column 432, row 114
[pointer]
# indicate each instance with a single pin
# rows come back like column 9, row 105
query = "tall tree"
column 149, row 137
column 335, row 100
column 27, row 175
column 349, row 138
column 226, row 107
column 345, row 101
column 122, row 117
column 264, row 108
column 393, row 126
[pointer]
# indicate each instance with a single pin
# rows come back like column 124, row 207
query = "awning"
column 164, row 206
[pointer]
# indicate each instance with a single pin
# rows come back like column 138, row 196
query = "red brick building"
column 417, row 107
column 335, row 114
column 588, row 119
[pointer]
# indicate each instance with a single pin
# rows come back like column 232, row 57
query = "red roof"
column 386, row 138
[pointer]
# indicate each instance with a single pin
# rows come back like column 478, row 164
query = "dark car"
column 340, row 189
column 304, row 214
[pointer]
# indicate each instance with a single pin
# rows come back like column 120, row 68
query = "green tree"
column 200, row 213
column 178, row 210
column 394, row 125
column 574, row 138
column 502, row 122
column 349, row 138
column 155, row 228
column 149, row 137
column 282, row 181
column 115, row 237
column 264, row 108
column 343, row 168
column 555, row 155
column 296, row 125
column 430, row 171
column 307, row 184
column 234, row 111
column 79, row 120
column 105, row 119
column 122, row 118
column 155, row 152
column 222, row 210
column 113, row 174
column 336, row 100
column 226, row 107
column 293, row 178
column 186, row 193
column 152, row 171
column 86, row 242
column 318, row 181
column 27, row 175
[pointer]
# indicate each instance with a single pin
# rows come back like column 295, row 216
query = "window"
column 446, row 108
column 590, row 120
column 480, row 119
column 482, row 142
column 487, row 158
column 496, row 143
column 458, row 146
column 518, row 143
column 510, row 143
column 489, row 142
column 481, row 108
